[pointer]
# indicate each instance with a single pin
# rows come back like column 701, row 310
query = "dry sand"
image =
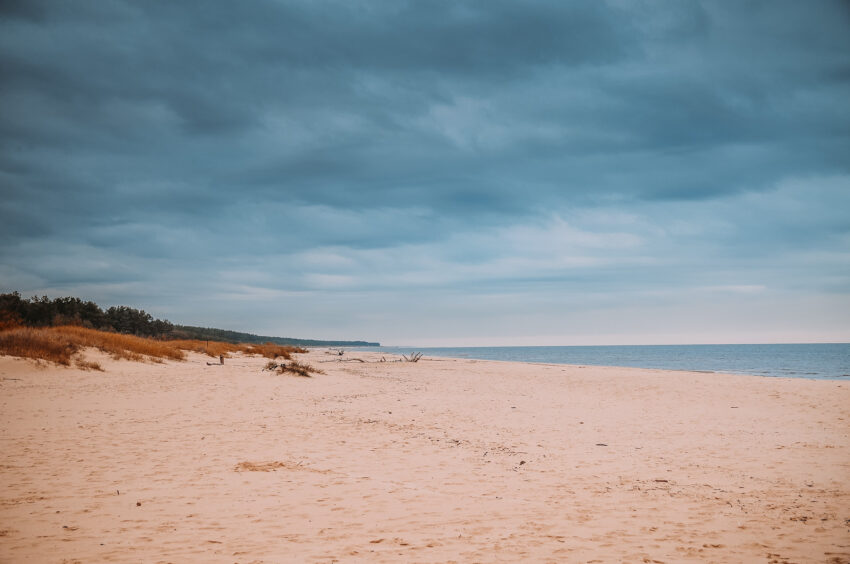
column 438, row 461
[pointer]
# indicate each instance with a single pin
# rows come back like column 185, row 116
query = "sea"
column 819, row 361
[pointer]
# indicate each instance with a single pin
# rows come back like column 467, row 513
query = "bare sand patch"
column 435, row 461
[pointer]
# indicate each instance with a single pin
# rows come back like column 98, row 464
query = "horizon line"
column 611, row 345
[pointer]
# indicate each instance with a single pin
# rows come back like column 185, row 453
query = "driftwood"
column 219, row 363
column 404, row 358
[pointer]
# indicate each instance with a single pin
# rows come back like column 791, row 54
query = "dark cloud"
column 170, row 138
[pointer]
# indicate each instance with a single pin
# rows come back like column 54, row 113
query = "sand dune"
column 437, row 461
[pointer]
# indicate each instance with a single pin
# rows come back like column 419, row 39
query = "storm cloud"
column 435, row 172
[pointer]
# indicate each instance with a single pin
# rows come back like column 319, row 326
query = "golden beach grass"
column 61, row 344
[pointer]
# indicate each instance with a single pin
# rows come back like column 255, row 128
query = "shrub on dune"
column 59, row 344
column 272, row 351
column 293, row 367
column 209, row 348
column 118, row 345
column 39, row 344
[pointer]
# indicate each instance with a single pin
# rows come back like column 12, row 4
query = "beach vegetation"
column 65, row 345
column 212, row 334
column 16, row 311
column 61, row 344
column 293, row 367
column 9, row 320
column 58, row 330
column 44, row 312
column 39, row 344
column 299, row 369
column 84, row 364
column 273, row 351
column 209, row 348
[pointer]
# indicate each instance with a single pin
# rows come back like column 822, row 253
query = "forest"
column 45, row 312
column 209, row 333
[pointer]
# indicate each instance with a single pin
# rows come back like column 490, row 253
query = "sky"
column 435, row 173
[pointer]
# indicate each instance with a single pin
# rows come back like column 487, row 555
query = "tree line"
column 44, row 312
column 212, row 334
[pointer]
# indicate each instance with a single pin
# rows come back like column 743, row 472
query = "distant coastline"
column 213, row 334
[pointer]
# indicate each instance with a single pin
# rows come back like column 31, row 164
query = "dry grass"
column 83, row 364
column 272, row 351
column 259, row 466
column 60, row 345
column 216, row 348
column 274, row 465
column 40, row 344
column 121, row 346
column 294, row 367
column 210, row 348
column 299, row 369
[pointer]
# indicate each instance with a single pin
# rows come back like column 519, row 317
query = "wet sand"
column 437, row 461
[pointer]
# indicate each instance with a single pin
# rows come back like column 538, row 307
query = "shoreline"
column 435, row 461
column 823, row 361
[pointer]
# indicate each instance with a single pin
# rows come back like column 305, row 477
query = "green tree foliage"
column 44, row 312
column 212, row 334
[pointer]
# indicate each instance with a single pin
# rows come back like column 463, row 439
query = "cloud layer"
column 439, row 172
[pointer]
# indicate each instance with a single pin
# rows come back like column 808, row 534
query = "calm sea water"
column 817, row 361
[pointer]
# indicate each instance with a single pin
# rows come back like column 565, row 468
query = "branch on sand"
column 219, row 363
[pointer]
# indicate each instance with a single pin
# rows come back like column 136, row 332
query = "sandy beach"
column 437, row 461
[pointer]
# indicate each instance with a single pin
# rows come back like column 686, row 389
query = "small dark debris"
column 601, row 444
column 521, row 462
column 138, row 504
